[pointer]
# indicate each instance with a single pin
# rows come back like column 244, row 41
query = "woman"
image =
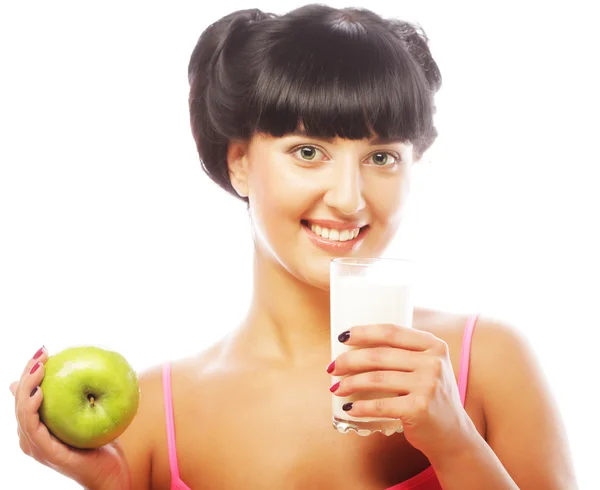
column 316, row 118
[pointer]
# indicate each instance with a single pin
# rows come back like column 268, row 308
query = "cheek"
column 277, row 187
column 278, row 197
column 387, row 200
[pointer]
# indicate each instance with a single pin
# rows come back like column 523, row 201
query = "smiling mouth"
column 335, row 235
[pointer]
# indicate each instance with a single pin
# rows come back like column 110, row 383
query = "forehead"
column 373, row 138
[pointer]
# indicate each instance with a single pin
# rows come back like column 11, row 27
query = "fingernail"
column 347, row 406
column 344, row 336
column 33, row 391
column 335, row 387
column 34, row 368
column 38, row 353
column 331, row 367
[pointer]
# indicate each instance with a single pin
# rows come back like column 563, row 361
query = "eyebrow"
column 372, row 141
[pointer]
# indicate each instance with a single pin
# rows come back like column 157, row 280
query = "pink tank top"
column 426, row 480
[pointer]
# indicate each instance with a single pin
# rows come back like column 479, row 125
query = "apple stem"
column 91, row 399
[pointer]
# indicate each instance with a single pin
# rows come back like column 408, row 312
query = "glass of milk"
column 367, row 291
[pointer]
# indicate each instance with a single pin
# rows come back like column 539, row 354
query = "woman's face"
column 311, row 199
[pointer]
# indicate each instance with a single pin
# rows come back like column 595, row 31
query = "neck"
column 288, row 319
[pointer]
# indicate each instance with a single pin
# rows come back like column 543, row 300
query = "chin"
column 313, row 272
column 309, row 261
column 323, row 282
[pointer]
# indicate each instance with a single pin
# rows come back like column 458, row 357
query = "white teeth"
column 335, row 235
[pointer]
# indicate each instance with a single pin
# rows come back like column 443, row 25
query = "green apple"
column 90, row 396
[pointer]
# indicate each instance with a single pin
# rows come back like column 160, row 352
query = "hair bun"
column 417, row 43
column 215, row 37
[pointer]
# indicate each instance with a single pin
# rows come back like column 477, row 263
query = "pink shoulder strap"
column 168, row 400
column 465, row 356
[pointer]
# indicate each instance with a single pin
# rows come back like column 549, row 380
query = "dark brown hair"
column 337, row 72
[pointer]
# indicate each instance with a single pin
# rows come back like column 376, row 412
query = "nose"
column 345, row 190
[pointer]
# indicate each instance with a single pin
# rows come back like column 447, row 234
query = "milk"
column 366, row 299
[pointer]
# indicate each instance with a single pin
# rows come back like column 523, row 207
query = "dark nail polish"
column 38, row 353
column 331, row 367
column 344, row 336
column 347, row 406
column 335, row 387
column 34, row 391
column 34, row 368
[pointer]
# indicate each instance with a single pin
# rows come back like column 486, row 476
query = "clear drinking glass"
column 367, row 291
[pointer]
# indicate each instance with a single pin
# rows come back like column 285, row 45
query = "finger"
column 29, row 418
column 41, row 356
column 388, row 335
column 28, row 395
column 36, row 433
column 376, row 358
column 29, row 398
column 393, row 382
column 394, row 407
column 13, row 387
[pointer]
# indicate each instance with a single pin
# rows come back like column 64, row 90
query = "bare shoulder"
column 195, row 389
column 447, row 326
column 188, row 376
column 524, row 424
column 500, row 352
column 493, row 338
column 506, row 382
column 191, row 373
column 502, row 363
column 145, row 440
column 153, row 390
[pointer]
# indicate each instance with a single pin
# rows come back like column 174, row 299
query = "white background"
column 110, row 233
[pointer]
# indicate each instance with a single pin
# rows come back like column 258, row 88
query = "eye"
column 383, row 158
column 307, row 153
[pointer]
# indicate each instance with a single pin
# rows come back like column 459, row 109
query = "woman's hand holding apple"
column 103, row 468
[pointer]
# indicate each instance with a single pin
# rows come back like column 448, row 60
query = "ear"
column 237, row 163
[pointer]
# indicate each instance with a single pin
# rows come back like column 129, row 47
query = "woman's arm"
column 472, row 464
column 524, row 426
column 137, row 441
